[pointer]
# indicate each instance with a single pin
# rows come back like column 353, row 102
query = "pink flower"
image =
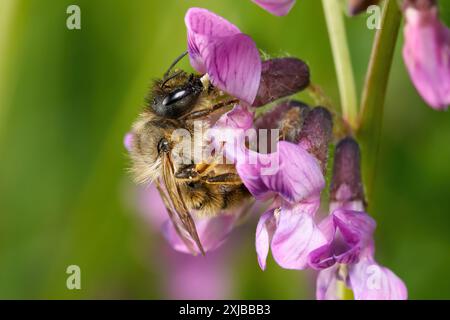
column 347, row 233
column 276, row 7
column 427, row 53
column 348, row 255
column 367, row 279
column 291, row 233
column 220, row 49
column 293, row 178
column 294, row 175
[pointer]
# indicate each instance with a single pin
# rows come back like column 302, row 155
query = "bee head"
column 151, row 140
column 176, row 95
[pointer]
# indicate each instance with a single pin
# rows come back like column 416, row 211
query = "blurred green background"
column 67, row 97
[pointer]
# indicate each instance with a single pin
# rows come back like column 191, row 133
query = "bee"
column 207, row 188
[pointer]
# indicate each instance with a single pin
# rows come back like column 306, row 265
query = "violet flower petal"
column 291, row 172
column 426, row 53
column 296, row 236
column 230, row 57
column 370, row 281
column 298, row 175
column 211, row 231
column 276, row 7
column 326, row 285
column 348, row 233
column 239, row 118
column 228, row 132
column 264, row 232
column 251, row 177
column 202, row 26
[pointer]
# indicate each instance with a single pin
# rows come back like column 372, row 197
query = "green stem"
column 342, row 61
column 8, row 10
column 373, row 97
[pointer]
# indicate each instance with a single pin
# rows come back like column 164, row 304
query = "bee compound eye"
column 163, row 145
column 178, row 102
column 174, row 97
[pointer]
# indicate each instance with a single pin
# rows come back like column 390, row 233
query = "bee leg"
column 193, row 172
column 227, row 178
column 206, row 112
column 187, row 172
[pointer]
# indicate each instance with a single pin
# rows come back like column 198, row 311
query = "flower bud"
column 274, row 118
column 346, row 184
column 316, row 134
column 280, row 78
column 358, row 6
column 426, row 52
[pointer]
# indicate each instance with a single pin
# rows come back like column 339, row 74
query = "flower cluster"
column 426, row 49
column 348, row 254
column 340, row 246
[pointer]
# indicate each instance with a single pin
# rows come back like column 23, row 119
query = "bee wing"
column 182, row 220
column 174, row 219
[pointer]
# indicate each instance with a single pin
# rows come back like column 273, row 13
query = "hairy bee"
column 206, row 188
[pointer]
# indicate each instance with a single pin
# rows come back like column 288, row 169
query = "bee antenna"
column 176, row 74
column 175, row 63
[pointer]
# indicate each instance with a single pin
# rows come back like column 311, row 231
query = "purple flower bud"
column 346, row 185
column 358, row 6
column 316, row 134
column 280, row 78
column 276, row 7
column 348, row 255
column 427, row 52
column 287, row 117
column 273, row 119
